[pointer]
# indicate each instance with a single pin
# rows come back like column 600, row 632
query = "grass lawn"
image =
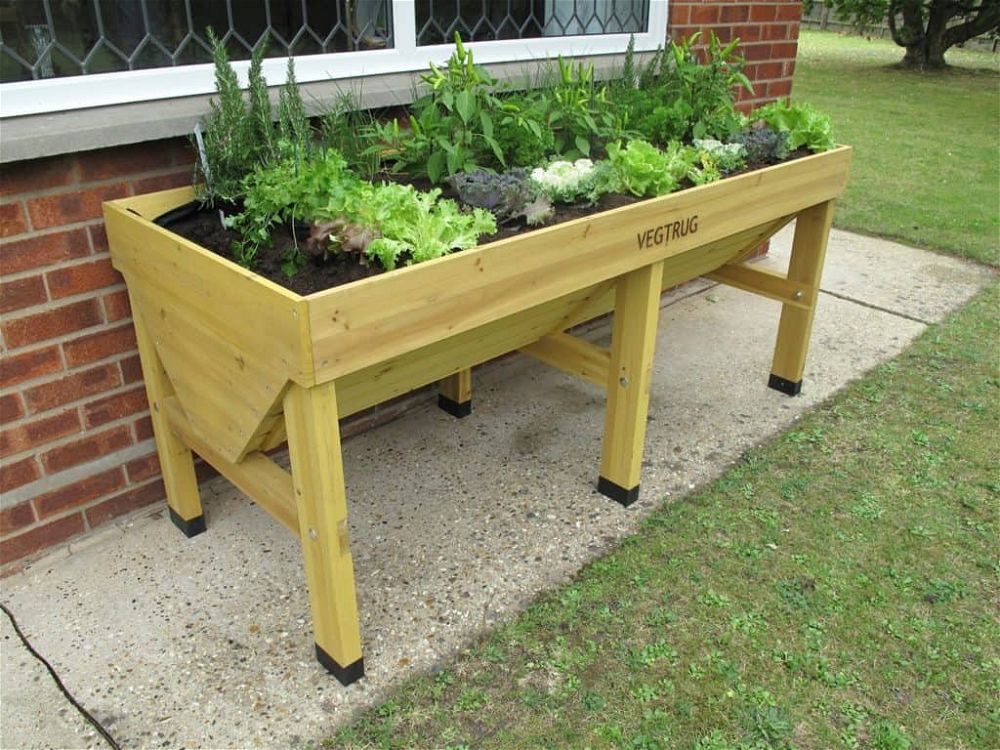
column 839, row 587
column 926, row 160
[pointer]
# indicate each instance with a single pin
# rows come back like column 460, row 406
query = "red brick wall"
column 768, row 34
column 75, row 440
column 76, row 447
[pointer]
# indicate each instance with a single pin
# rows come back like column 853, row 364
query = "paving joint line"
column 873, row 306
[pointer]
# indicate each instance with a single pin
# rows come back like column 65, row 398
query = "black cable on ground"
column 59, row 683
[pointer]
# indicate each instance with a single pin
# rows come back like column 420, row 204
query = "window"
column 58, row 55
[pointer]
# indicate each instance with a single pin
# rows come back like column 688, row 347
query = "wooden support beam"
column 573, row 355
column 812, row 229
column 176, row 460
column 764, row 282
column 262, row 480
column 637, row 309
column 318, row 479
column 455, row 393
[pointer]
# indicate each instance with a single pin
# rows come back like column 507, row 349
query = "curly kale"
column 763, row 144
column 507, row 196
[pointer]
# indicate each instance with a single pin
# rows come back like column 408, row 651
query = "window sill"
column 37, row 136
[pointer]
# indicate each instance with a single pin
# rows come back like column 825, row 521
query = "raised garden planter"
column 235, row 365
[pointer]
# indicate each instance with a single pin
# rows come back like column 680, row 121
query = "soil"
column 204, row 226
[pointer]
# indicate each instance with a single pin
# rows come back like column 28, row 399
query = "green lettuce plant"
column 802, row 125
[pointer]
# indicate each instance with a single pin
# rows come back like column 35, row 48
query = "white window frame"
column 125, row 87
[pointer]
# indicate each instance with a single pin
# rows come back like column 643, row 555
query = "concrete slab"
column 455, row 525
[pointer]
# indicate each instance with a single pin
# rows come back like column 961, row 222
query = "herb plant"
column 728, row 157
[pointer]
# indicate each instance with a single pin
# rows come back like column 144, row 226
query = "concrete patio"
column 455, row 524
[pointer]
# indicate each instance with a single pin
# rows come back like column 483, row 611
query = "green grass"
column 926, row 166
column 837, row 588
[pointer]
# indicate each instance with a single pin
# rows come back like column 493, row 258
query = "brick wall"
column 768, row 34
column 76, row 448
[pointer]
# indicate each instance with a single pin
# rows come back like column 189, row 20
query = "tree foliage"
column 925, row 28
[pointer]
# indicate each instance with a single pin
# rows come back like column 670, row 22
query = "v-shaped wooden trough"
column 235, row 365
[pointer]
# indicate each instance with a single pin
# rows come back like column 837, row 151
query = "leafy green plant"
column 727, row 157
column 451, row 128
column 802, row 125
column 565, row 182
column 508, row 196
column 418, row 224
column 644, row 170
column 345, row 126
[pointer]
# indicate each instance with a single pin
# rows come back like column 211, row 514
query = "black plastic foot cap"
column 788, row 387
column 190, row 527
column 345, row 675
column 617, row 493
column 454, row 408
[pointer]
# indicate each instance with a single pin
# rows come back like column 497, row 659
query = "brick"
column 789, row 12
column 750, row 33
column 40, row 537
column 779, row 89
column 143, row 429
column 734, row 13
column 789, row 71
column 123, row 161
column 68, row 208
column 38, row 432
column 18, row 473
column 17, row 368
column 37, row 252
column 85, row 277
column 126, row 502
column 100, row 345
column 72, row 387
column 38, row 174
column 30, row 329
column 116, row 306
column 765, row 71
column 143, row 468
column 16, row 518
column 704, row 14
column 98, row 238
column 10, row 408
column 88, row 448
column 131, row 369
column 755, row 52
column 22, row 293
column 119, row 405
column 679, row 15
column 12, row 219
column 162, row 182
column 784, row 50
column 79, row 493
column 777, row 31
column 763, row 12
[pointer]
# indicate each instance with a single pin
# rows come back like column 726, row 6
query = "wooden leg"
column 637, row 309
column 455, row 393
column 812, row 229
column 176, row 459
column 318, row 479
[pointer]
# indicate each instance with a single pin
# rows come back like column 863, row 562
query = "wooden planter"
column 235, row 365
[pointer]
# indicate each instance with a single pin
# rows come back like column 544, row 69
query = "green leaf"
column 435, row 163
column 487, row 123
column 583, row 144
column 465, row 105
column 496, row 149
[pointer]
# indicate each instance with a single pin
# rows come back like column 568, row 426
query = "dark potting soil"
column 205, row 227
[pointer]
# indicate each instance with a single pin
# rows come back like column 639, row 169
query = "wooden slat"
column 257, row 476
column 457, row 387
column 764, row 282
column 573, row 355
column 360, row 324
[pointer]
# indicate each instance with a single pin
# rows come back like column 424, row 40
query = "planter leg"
column 633, row 341
column 455, row 393
column 812, row 229
column 176, row 459
column 318, row 479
